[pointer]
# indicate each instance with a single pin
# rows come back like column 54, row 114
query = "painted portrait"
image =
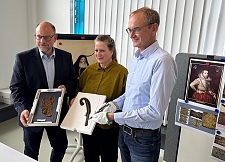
column 204, row 81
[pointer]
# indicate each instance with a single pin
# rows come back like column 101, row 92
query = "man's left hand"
column 61, row 87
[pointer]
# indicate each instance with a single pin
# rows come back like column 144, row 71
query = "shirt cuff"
column 119, row 118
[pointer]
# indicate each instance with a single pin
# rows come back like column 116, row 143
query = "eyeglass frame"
column 137, row 30
column 47, row 38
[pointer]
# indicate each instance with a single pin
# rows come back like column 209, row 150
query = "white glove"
column 112, row 107
column 101, row 118
column 109, row 107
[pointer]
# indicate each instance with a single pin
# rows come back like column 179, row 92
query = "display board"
column 204, row 87
column 77, row 45
column 196, row 116
column 200, row 116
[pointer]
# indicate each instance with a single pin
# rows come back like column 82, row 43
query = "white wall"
column 18, row 21
column 195, row 146
column 13, row 36
column 55, row 11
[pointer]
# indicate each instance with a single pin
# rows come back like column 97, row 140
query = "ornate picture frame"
column 46, row 107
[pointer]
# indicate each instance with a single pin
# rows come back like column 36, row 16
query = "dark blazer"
column 29, row 75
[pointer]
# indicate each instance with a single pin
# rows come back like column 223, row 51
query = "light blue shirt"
column 49, row 66
column 152, row 76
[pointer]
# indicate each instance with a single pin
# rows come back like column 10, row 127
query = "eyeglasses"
column 47, row 38
column 137, row 29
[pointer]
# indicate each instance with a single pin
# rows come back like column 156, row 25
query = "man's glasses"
column 137, row 29
column 47, row 38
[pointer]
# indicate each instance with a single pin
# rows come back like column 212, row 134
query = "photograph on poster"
column 209, row 120
column 218, row 149
column 183, row 119
column 204, row 81
column 218, row 153
column 46, row 107
column 184, row 111
column 196, row 116
column 196, row 123
column 220, row 140
column 221, row 117
column 184, row 115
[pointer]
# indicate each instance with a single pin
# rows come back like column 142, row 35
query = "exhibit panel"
column 202, row 105
column 196, row 116
column 196, row 129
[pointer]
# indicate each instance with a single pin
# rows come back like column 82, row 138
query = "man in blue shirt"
column 152, row 76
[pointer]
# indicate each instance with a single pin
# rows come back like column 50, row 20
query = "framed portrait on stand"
column 204, row 81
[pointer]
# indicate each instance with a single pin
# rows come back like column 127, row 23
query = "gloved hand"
column 109, row 107
column 101, row 118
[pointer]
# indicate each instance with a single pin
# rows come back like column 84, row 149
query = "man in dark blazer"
column 42, row 67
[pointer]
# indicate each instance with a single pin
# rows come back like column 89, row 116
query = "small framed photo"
column 46, row 107
column 204, row 81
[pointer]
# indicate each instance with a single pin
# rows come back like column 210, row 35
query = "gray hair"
column 151, row 16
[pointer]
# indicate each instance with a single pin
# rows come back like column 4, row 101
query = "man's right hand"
column 112, row 107
column 24, row 116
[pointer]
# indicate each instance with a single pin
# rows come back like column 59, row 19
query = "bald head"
column 46, row 25
column 45, row 37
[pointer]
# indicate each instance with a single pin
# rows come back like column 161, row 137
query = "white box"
column 78, row 115
column 5, row 96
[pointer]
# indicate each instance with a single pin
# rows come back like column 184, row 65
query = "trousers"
column 102, row 143
column 139, row 148
column 57, row 138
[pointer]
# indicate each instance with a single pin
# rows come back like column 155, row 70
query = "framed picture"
column 46, row 107
column 83, row 107
column 204, row 81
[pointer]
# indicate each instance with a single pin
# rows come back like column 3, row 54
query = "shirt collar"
column 108, row 68
column 148, row 51
column 44, row 55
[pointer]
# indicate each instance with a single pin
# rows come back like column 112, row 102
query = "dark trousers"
column 58, row 141
column 102, row 142
column 139, row 149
